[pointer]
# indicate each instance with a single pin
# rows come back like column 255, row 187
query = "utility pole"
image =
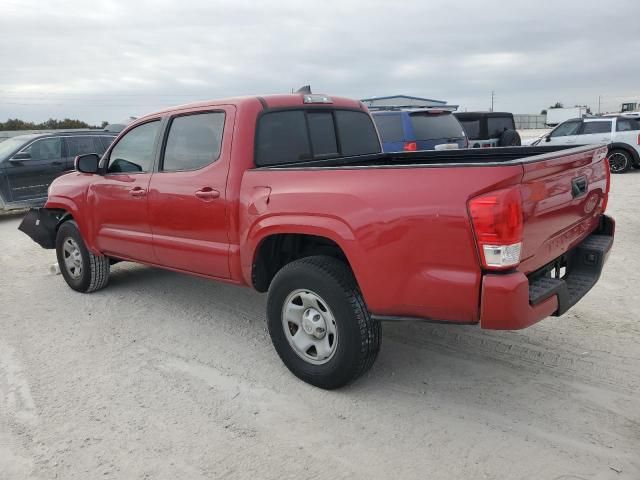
column 599, row 98
column 493, row 94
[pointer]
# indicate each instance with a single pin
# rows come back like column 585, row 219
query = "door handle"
column 579, row 186
column 137, row 192
column 207, row 194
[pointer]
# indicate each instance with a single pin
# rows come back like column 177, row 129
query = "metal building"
column 406, row 101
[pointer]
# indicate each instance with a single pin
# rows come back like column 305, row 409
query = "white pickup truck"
column 620, row 133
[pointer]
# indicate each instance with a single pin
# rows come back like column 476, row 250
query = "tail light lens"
column 498, row 224
column 410, row 147
column 639, row 139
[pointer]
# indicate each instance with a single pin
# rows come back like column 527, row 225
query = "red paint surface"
column 405, row 231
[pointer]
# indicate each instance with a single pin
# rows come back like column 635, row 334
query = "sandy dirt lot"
column 163, row 376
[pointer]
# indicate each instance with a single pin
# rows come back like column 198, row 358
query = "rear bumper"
column 514, row 301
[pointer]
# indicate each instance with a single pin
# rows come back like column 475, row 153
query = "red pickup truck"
column 291, row 195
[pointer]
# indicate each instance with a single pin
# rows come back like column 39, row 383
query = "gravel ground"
column 164, row 376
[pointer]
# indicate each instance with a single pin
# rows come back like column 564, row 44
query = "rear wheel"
column 319, row 324
column 619, row 161
column 82, row 270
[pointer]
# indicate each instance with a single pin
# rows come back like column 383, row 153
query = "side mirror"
column 547, row 138
column 87, row 163
column 18, row 157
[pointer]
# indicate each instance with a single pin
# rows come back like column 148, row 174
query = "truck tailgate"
column 563, row 196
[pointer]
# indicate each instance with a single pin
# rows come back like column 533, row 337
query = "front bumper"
column 41, row 225
column 514, row 301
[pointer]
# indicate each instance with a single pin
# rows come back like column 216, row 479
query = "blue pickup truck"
column 29, row 163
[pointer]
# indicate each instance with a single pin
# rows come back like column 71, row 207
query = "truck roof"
column 267, row 101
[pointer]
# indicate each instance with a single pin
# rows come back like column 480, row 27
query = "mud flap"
column 40, row 224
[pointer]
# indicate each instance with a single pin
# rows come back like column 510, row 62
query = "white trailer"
column 556, row 116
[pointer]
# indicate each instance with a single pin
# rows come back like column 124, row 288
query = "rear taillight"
column 498, row 224
column 486, row 145
column 639, row 139
column 410, row 146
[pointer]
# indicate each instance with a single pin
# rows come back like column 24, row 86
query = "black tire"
column 619, row 161
column 358, row 335
column 509, row 138
column 94, row 272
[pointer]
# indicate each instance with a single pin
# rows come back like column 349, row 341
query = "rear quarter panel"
column 405, row 231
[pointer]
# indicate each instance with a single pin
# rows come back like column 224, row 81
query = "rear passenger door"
column 595, row 131
column 188, row 205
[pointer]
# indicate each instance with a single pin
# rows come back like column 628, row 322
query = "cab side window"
column 45, row 149
column 566, row 129
column 134, row 152
column 80, row 145
column 596, row 127
column 194, row 141
column 626, row 125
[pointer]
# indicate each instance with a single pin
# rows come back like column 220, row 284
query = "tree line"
column 51, row 124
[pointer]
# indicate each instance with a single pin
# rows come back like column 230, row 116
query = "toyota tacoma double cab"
column 292, row 195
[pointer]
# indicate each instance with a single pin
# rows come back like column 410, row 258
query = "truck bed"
column 475, row 156
column 404, row 217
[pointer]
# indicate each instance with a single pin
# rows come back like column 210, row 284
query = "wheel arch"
column 274, row 244
column 635, row 156
column 71, row 212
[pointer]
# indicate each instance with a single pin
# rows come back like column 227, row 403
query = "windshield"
column 9, row 146
column 430, row 126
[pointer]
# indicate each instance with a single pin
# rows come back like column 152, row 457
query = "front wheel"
column 82, row 270
column 619, row 161
column 319, row 324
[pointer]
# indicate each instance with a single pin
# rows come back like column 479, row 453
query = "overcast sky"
column 107, row 60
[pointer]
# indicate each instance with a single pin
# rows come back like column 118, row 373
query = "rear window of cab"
column 290, row 136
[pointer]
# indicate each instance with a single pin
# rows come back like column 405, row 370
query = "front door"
column 564, row 134
column 187, row 195
column 118, row 199
column 30, row 171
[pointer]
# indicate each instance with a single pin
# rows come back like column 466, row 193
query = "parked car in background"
column 29, row 163
column 411, row 129
column 489, row 129
column 620, row 133
column 291, row 195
